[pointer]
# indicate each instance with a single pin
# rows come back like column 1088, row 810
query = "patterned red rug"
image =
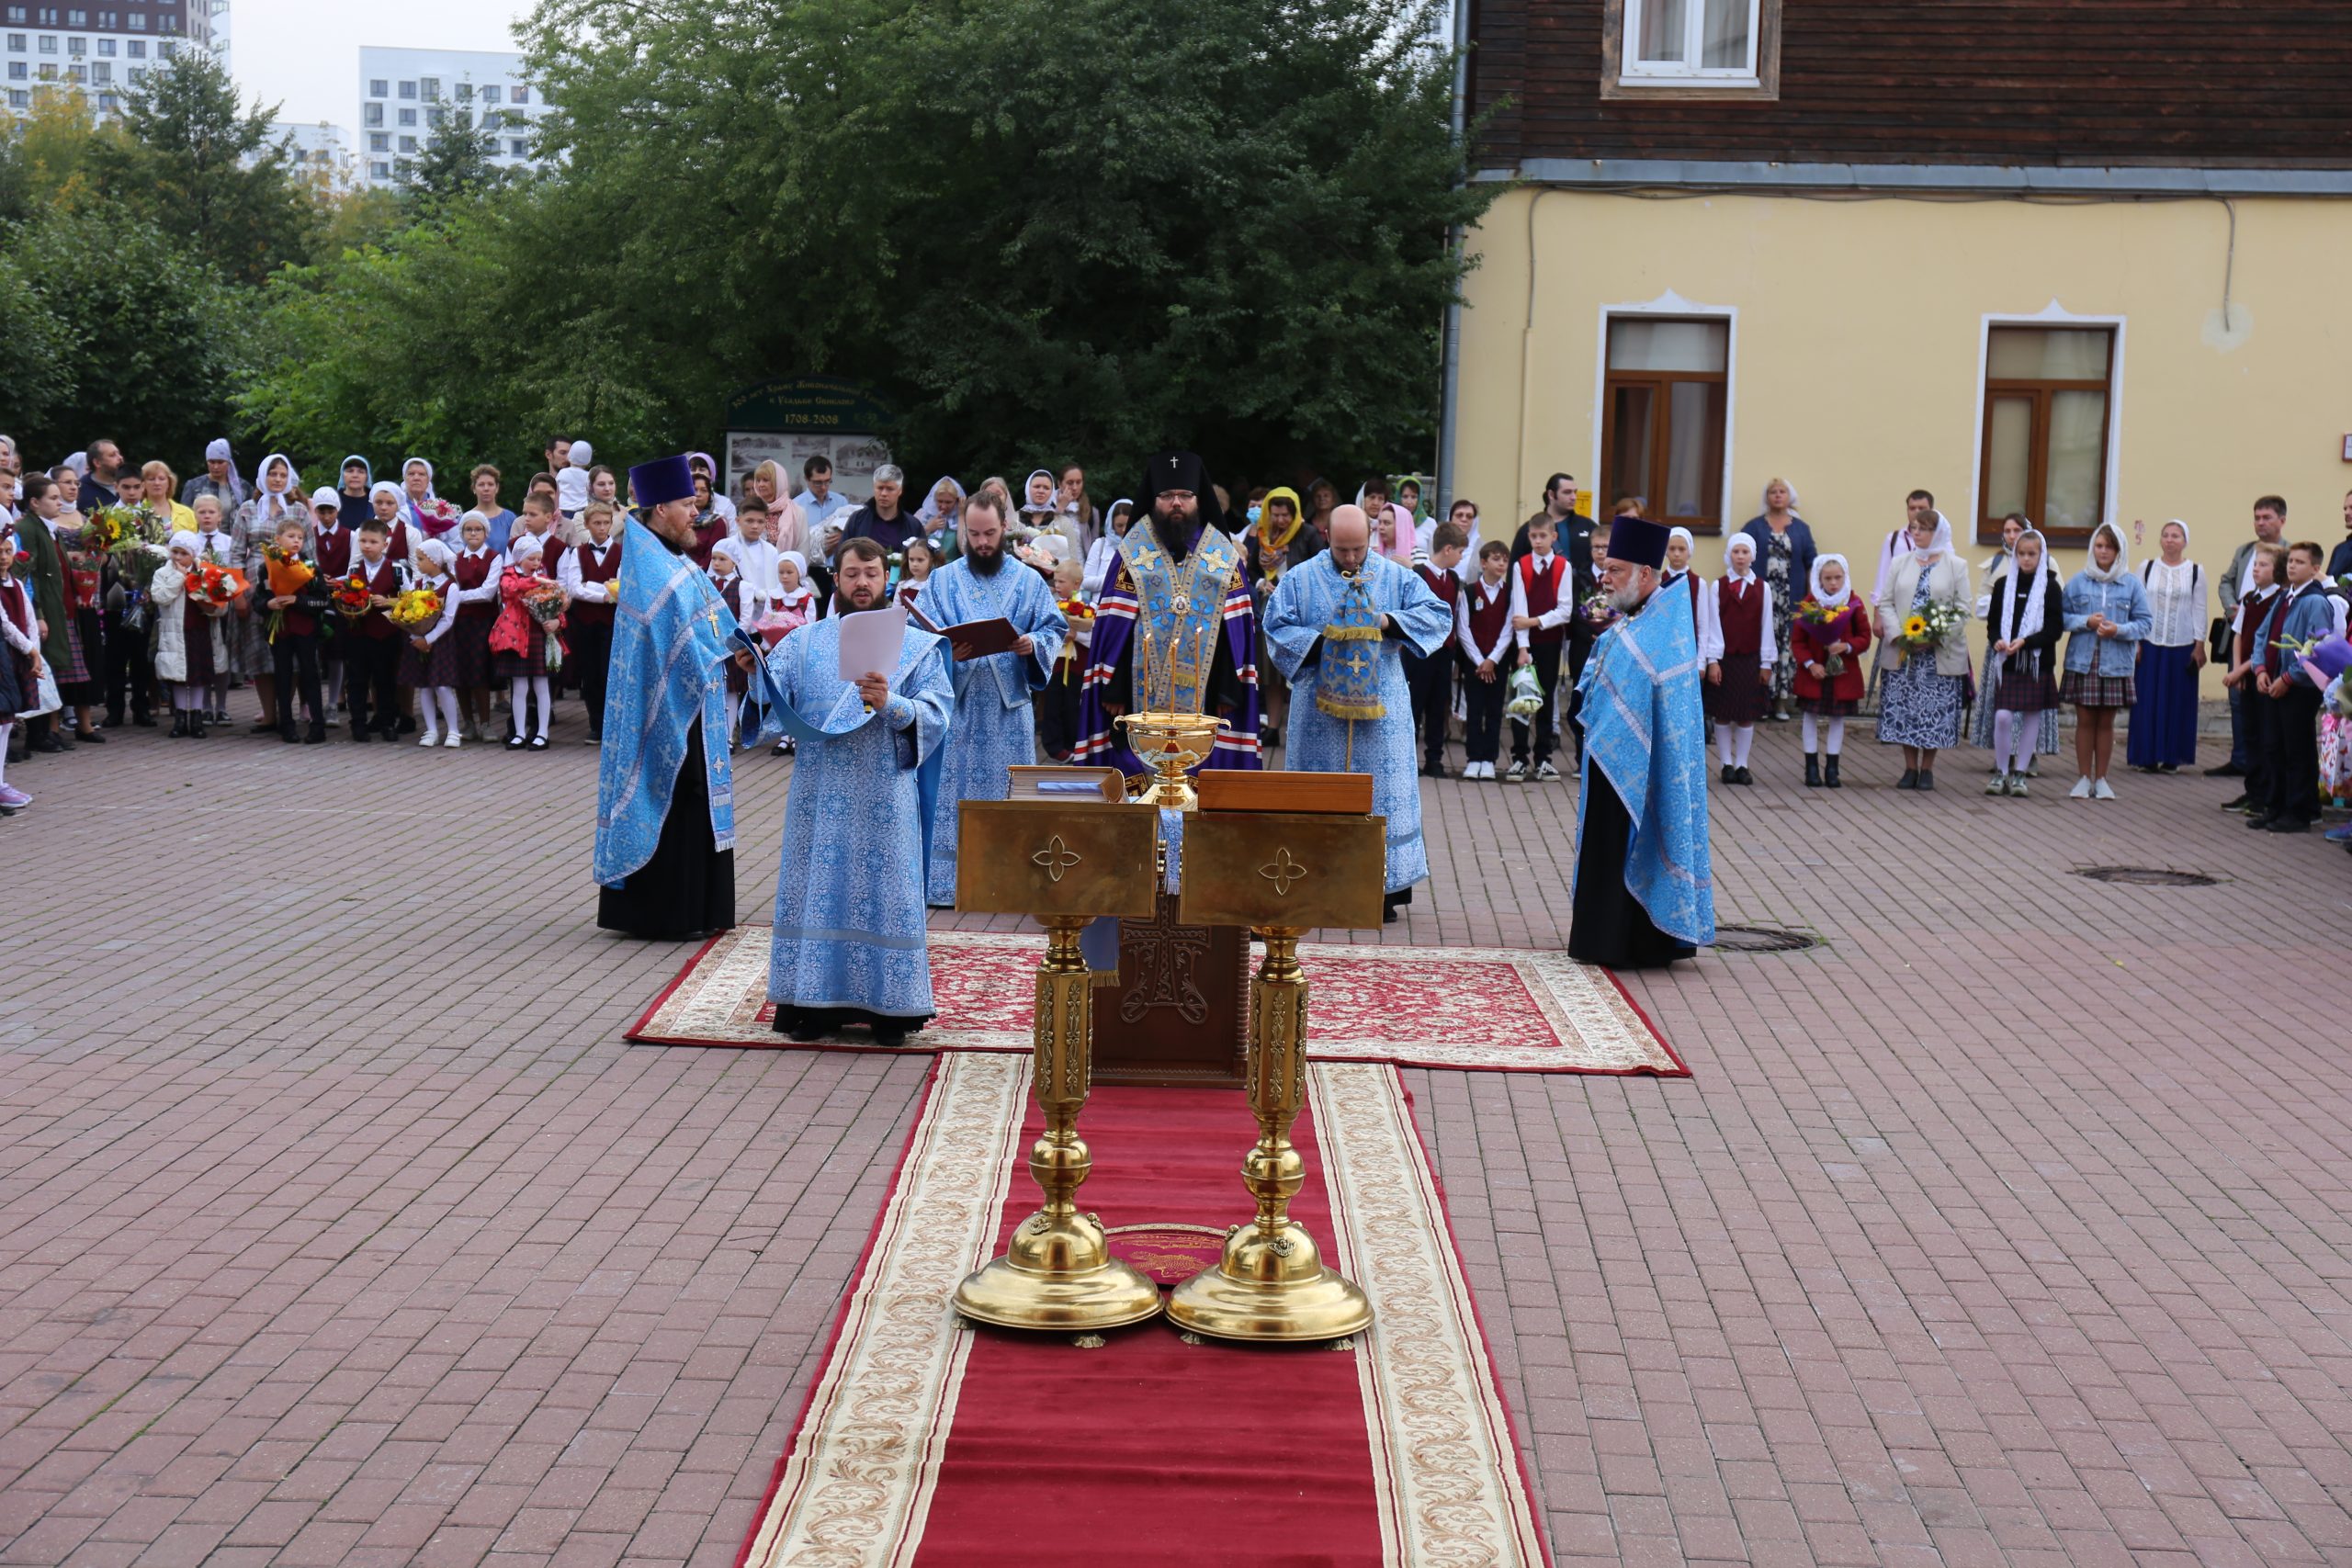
column 927, row 1443
column 1484, row 1009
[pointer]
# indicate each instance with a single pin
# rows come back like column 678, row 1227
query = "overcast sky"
column 305, row 53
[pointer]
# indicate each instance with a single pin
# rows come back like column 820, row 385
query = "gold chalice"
column 1169, row 743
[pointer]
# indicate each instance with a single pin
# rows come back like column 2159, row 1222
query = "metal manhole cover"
column 1762, row 939
column 2148, row 876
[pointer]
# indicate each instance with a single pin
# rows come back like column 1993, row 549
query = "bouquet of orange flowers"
column 288, row 574
column 214, row 586
column 414, row 609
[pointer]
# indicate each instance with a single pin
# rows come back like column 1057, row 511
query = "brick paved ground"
column 337, row 1225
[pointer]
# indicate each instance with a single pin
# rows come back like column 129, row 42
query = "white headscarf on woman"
column 381, row 487
column 271, row 504
column 1739, row 558
column 217, row 451
column 2113, row 573
column 1053, row 492
column 1937, row 547
column 928, row 513
column 1822, row 596
column 408, row 463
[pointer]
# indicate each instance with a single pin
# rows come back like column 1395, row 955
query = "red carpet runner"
column 926, row 1444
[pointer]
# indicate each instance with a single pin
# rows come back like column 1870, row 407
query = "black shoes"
column 1829, row 773
column 1728, row 772
column 2226, row 770
column 516, row 742
column 179, row 725
column 539, row 744
column 1910, row 779
column 1926, row 780
column 1742, row 777
column 1811, row 771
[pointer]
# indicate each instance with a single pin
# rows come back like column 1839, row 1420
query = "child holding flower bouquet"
column 370, row 649
column 291, row 603
column 530, row 610
column 426, row 613
column 1826, row 641
column 189, row 641
column 1923, row 623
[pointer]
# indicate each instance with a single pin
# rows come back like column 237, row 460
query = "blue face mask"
column 1254, row 509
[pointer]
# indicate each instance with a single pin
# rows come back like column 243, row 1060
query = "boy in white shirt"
column 571, row 480
column 1482, row 627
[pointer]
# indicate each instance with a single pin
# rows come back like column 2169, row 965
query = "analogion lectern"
column 1286, row 853
column 1065, row 861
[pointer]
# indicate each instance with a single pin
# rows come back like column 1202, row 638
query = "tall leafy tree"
column 456, row 161
column 195, row 163
column 1041, row 227
column 147, row 338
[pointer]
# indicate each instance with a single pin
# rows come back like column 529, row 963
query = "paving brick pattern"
column 337, row 1226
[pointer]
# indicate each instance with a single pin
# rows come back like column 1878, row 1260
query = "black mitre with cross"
column 1180, row 471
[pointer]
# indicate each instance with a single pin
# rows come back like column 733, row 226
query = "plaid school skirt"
column 2086, row 690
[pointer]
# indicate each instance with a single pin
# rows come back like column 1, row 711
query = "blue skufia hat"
column 664, row 478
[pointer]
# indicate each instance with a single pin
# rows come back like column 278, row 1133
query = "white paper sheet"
column 871, row 641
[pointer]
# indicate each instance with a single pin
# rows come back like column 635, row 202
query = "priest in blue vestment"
column 1644, row 891
column 994, row 728
column 1176, row 631
column 665, row 812
column 849, row 947
column 1338, row 626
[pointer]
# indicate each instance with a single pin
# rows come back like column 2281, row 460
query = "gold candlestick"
column 1058, row 1272
column 1272, row 1282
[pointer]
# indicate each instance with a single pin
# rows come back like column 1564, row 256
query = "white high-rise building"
column 320, row 148
column 405, row 93
column 98, row 50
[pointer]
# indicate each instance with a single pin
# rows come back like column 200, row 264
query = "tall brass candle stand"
column 1068, row 863
column 1285, row 874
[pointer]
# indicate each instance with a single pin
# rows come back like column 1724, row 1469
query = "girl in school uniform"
column 2023, row 618
column 19, row 658
column 2107, row 612
column 474, row 572
column 429, row 663
column 1736, row 641
column 190, row 646
column 519, row 644
column 1831, row 628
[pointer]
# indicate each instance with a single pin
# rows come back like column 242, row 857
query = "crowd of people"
column 131, row 596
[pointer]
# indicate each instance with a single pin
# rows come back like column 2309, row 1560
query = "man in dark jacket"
column 883, row 519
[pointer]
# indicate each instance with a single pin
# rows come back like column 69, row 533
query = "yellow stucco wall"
column 1858, row 339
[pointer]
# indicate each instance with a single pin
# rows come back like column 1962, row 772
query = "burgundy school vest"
column 1741, row 615
column 471, row 573
column 385, row 580
column 1489, row 618
column 581, row 610
column 1444, row 584
column 332, row 550
column 1543, row 597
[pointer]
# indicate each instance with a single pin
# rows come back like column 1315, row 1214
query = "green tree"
column 456, row 161
column 41, row 353
column 1043, row 227
column 199, row 167
column 148, row 338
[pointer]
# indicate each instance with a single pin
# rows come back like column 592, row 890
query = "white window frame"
column 2051, row 315
column 1633, row 68
column 1669, row 304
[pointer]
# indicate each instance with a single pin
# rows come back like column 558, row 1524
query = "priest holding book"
column 1005, row 631
column 1338, row 626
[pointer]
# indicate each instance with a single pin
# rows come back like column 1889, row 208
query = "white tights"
column 5, row 728
column 2025, row 729
column 1733, row 743
column 444, row 699
column 1811, row 731
column 519, row 696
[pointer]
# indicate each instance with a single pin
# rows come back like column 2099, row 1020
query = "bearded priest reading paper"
column 848, row 948
column 994, row 727
column 1175, row 632
column 1644, row 891
column 665, row 812
column 1338, row 626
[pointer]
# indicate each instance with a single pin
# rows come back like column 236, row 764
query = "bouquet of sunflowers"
column 131, row 536
column 1820, row 617
column 414, row 609
column 1926, row 628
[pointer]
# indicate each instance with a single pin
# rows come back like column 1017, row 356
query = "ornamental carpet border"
column 1479, row 1009
column 923, row 1440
